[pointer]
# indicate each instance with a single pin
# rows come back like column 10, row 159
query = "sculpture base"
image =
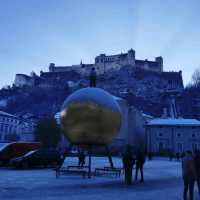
column 90, row 149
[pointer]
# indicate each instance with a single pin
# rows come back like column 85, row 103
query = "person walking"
column 197, row 168
column 140, row 160
column 81, row 159
column 128, row 162
column 189, row 175
column 93, row 77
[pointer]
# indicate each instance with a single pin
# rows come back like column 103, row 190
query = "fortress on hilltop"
column 108, row 65
column 104, row 63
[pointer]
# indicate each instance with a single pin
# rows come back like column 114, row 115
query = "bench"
column 118, row 168
column 67, row 171
column 108, row 171
column 77, row 167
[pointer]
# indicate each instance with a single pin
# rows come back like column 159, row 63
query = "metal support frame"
column 90, row 162
column 90, row 150
column 109, row 157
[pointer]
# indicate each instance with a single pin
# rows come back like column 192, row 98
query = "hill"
column 148, row 91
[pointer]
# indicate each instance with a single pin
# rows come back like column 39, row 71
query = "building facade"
column 14, row 128
column 173, row 135
column 23, row 80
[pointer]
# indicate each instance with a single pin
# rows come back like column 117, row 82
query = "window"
column 6, row 129
column 161, row 146
column 178, row 135
column 160, row 134
column 180, row 147
column 193, row 135
column 194, row 147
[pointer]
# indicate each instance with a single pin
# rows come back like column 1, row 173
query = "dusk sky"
column 36, row 32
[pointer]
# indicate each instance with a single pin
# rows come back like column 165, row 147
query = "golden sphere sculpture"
column 90, row 116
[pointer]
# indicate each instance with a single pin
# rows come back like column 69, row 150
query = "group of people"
column 191, row 173
column 129, row 160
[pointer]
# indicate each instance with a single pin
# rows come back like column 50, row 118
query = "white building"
column 13, row 128
column 176, row 135
column 9, row 125
column 23, row 80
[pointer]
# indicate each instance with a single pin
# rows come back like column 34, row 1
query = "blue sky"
column 34, row 33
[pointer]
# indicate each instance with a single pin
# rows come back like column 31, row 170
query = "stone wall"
column 104, row 63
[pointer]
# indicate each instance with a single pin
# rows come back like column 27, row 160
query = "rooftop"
column 173, row 122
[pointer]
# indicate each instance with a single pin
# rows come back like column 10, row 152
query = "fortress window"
column 194, row 147
column 170, row 82
column 160, row 146
column 180, row 147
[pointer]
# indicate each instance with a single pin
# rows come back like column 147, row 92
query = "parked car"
column 37, row 158
column 16, row 149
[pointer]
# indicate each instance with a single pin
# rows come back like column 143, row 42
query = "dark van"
column 16, row 149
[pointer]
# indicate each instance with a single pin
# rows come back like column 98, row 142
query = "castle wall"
column 104, row 63
column 23, row 80
column 62, row 69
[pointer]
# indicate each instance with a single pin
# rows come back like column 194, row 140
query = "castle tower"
column 159, row 60
column 146, row 64
column 100, row 63
column 131, row 57
column 51, row 67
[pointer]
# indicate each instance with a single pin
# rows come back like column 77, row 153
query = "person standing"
column 128, row 162
column 93, row 77
column 81, row 159
column 177, row 156
column 140, row 160
column 189, row 175
column 197, row 167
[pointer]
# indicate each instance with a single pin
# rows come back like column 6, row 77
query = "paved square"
column 162, row 182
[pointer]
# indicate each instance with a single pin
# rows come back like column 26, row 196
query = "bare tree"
column 196, row 78
column 48, row 132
